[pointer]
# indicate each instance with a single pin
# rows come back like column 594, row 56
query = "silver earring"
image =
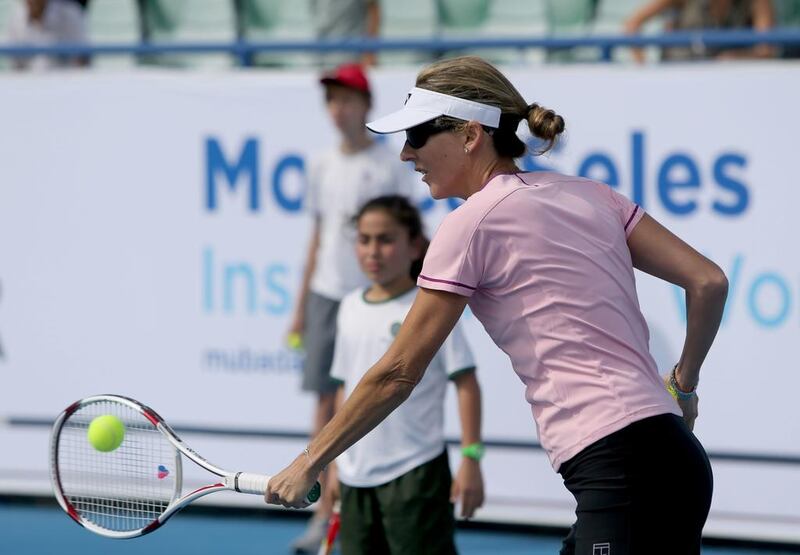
column 466, row 150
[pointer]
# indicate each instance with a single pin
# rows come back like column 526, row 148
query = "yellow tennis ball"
column 294, row 341
column 106, row 433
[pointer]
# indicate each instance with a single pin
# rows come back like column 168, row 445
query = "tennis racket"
column 326, row 548
column 135, row 488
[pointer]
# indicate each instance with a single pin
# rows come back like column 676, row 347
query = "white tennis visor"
column 423, row 105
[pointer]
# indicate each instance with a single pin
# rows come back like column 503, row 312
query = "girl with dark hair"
column 396, row 490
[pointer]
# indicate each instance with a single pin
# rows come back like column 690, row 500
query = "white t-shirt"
column 414, row 433
column 338, row 185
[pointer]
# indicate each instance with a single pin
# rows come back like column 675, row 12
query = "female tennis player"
column 545, row 262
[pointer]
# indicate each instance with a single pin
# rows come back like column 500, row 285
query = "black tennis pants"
column 644, row 490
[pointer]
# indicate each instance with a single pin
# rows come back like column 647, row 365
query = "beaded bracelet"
column 676, row 391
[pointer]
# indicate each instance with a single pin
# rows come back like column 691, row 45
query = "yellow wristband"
column 675, row 391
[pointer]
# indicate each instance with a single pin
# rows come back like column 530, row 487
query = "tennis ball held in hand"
column 106, row 433
column 294, row 341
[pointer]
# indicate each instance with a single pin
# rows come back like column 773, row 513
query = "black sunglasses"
column 417, row 136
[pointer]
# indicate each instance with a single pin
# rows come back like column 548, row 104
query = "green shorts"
column 410, row 515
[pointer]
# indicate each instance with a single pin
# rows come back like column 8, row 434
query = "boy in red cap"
column 340, row 181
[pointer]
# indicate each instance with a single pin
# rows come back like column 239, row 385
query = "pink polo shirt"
column 544, row 260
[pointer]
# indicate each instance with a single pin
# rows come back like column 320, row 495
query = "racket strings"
column 122, row 490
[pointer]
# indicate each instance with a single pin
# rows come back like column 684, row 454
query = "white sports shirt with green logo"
column 414, row 433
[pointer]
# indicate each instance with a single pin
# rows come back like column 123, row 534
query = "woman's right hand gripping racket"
column 126, row 481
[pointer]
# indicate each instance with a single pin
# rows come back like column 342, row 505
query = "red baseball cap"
column 348, row 75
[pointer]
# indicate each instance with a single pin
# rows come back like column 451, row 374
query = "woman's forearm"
column 657, row 251
column 704, row 307
column 390, row 381
column 382, row 389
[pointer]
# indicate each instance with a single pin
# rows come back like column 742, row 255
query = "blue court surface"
column 43, row 529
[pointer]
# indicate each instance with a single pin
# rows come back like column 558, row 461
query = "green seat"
column 610, row 21
column 407, row 19
column 182, row 21
column 5, row 12
column 462, row 14
column 612, row 14
column 787, row 13
column 462, row 19
column 113, row 22
column 278, row 20
column 261, row 15
column 516, row 19
column 162, row 17
column 572, row 18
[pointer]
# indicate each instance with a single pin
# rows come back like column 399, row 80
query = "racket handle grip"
column 247, row 482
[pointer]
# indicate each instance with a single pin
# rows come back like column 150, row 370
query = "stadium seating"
column 462, row 14
column 218, row 21
column 787, row 12
column 182, row 21
column 5, row 10
column 114, row 22
column 409, row 19
column 277, row 20
column 510, row 19
column 610, row 18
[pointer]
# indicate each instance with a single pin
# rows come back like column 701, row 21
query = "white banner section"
column 152, row 235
